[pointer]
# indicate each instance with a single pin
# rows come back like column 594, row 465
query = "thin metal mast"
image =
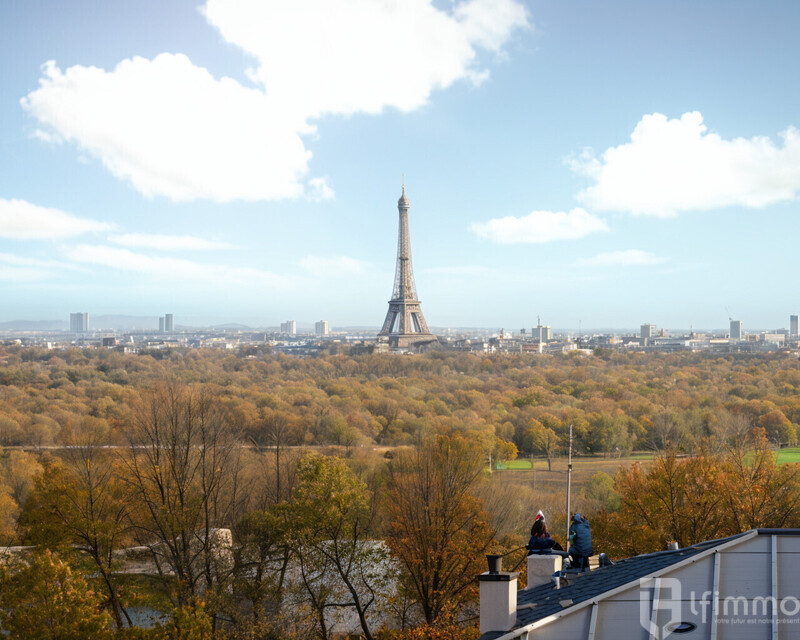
column 569, row 484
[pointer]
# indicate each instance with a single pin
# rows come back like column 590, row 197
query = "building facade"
column 79, row 322
column 290, row 327
column 321, row 328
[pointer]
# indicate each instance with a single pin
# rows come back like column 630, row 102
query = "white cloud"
column 167, row 243
column 14, row 268
column 334, row 265
column 673, row 165
column 346, row 56
column 540, row 226
column 21, row 220
column 25, row 261
column 177, row 269
column 319, row 189
column 631, row 257
column 173, row 130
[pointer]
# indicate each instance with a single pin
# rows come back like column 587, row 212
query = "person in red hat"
column 540, row 541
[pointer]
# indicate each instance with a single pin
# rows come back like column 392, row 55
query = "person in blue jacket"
column 580, row 537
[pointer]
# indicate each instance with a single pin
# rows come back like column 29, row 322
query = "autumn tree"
column 756, row 491
column 437, row 529
column 700, row 498
column 84, row 510
column 544, row 440
column 330, row 521
column 44, row 599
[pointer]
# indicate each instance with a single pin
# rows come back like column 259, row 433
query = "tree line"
column 162, row 453
column 240, row 543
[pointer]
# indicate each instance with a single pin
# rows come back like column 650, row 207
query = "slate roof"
column 545, row 600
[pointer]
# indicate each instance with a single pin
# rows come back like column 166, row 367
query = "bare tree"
column 182, row 466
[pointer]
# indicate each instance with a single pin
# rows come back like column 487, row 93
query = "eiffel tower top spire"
column 404, row 324
column 403, row 201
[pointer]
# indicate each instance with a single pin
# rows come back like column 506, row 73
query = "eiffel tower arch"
column 405, row 325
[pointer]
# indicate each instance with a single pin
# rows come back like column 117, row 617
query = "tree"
column 82, row 503
column 674, row 500
column 261, row 561
column 8, row 516
column 700, row 498
column 279, row 433
column 437, row 529
column 182, row 469
column 46, row 601
column 545, row 441
column 82, row 506
column 756, row 491
column 600, row 494
column 330, row 518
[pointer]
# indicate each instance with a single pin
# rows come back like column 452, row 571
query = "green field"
column 513, row 464
column 791, row 454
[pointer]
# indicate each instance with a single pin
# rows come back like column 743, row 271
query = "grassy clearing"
column 789, row 455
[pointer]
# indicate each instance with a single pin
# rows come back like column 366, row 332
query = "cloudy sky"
column 595, row 163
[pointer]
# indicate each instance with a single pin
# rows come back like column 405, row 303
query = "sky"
column 595, row 164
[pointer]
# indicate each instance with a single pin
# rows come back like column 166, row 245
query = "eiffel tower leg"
column 388, row 322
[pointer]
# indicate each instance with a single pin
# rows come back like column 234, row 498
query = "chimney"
column 541, row 567
column 498, row 593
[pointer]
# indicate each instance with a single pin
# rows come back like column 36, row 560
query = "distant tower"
column 169, row 323
column 321, row 328
column 736, row 330
column 793, row 326
column 405, row 325
column 79, row 322
column 290, row 327
column 161, row 324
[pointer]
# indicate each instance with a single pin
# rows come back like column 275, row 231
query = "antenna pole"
column 569, row 484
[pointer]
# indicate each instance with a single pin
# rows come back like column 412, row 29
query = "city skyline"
column 600, row 166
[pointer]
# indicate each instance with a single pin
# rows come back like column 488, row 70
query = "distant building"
column 736, row 330
column 169, row 324
column 542, row 333
column 290, row 327
column 79, row 322
column 793, row 326
column 648, row 331
column 321, row 328
column 161, row 325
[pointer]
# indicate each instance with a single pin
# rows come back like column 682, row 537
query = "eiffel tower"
column 405, row 325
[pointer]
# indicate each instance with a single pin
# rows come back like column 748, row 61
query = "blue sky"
column 602, row 164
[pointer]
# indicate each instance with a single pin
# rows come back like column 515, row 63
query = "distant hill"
column 34, row 325
column 123, row 323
